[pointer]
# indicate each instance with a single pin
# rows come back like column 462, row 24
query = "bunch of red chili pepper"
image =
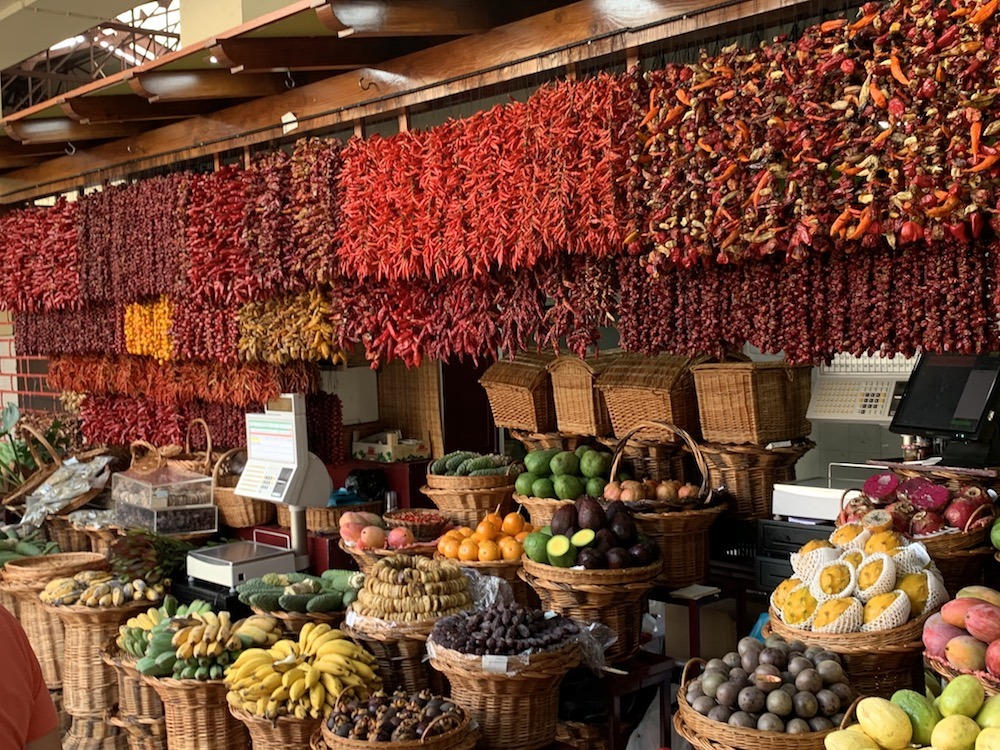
column 118, row 420
column 205, row 332
column 97, row 329
column 325, row 427
column 226, row 422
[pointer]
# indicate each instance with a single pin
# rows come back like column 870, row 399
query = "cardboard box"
column 389, row 446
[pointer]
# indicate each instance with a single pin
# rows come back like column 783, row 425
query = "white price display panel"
column 271, row 438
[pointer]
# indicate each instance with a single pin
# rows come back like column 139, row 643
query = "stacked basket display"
column 139, row 711
column 465, row 486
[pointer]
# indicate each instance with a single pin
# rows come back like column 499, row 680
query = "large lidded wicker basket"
column 753, row 402
column 282, row 733
column 197, row 715
column 638, row 388
column 520, row 393
column 400, row 651
column 140, row 710
column 581, row 408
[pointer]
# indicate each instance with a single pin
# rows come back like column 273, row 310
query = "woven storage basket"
column 520, row 393
column 135, row 698
column 753, row 402
column 515, row 712
column 94, row 733
column 89, row 684
column 197, row 462
column 429, row 526
column 990, row 683
column 64, row 533
column 323, row 519
column 878, row 663
column 281, row 734
column 400, row 650
column 46, row 467
column 581, row 408
column 616, row 598
column 197, row 715
column 293, row 622
column 367, row 558
column 507, row 570
column 65, row 720
column 540, row 509
column 9, row 601
column 748, row 472
column 140, row 733
column 537, row 441
column 706, row 734
column 955, row 479
column 234, row 511
column 491, row 482
column 463, row 737
column 681, row 535
column 468, row 507
column 652, row 459
column 660, row 388
column 102, row 538
column 962, row 568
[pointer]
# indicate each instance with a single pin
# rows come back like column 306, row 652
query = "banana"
column 312, row 676
column 185, row 651
column 234, row 643
column 294, row 674
column 340, row 646
column 297, row 689
column 304, row 635
column 182, row 636
column 363, row 670
column 225, row 626
column 285, row 649
column 257, row 636
column 300, row 712
column 317, row 697
column 280, row 694
column 333, row 686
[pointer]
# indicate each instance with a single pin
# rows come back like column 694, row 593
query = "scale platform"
column 815, row 497
column 231, row 564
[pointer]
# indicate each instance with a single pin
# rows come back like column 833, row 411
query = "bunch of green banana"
column 93, row 588
column 134, row 635
column 154, row 647
column 301, row 678
column 22, row 541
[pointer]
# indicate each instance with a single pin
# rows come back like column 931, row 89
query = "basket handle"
column 691, row 443
column 849, row 713
column 150, row 450
column 845, row 493
column 208, row 441
column 974, row 515
column 687, row 666
column 56, row 459
column 221, row 462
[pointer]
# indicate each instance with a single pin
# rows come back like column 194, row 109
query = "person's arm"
column 51, row 741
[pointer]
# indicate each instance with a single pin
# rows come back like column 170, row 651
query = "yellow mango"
column 830, row 611
column 799, row 606
column 914, row 585
column 814, row 544
column 883, row 541
column 877, row 605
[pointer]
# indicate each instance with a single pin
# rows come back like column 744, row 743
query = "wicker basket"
column 538, row 441
column 367, row 558
column 953, row 478
column 135, row 698
column 582, row 736
column 65, row 720
column 197, row 715
column 46, row 468
column 681, row 535
column 616, row 598
column 429, row 527
column 660, row 388
column 281, row 734
column 753, row 402
column 464, row 737
column 749, row 472
column 491, row 482
column 399, row 649
column 506, row 570
column 990, row 683
column 89, row 684
column 879, row 663
column 652, row 459
column 324, row 519
column 962, row 568
column 581, row 408
column 520, row 393
column 29, row 571
column 540, row 509
column 140, row 733
column 94, row 733
column 706, row 734
column 515, row 712
column 63, row 532
column 468, row 507
column 293, row 622
column 234, row 511
column 196, row 462
column 9, row 601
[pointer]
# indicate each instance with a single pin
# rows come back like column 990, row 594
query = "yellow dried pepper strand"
column 147, row 329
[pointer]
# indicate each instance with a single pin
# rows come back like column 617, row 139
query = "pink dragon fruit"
column 855, row 509
column 881, row 488
column 930, row 497
column 969, row 513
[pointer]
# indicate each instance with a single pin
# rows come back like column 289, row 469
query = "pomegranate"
column 855, row 509
column 926, row 522
column 963, row 509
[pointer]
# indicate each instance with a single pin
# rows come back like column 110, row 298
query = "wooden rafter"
column 64, row 130
column 97, row 109
column 192, row 85
column 261, row 55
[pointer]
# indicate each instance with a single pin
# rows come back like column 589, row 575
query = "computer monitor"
column 954, row 396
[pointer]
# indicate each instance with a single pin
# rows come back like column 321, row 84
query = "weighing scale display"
column 271, row 439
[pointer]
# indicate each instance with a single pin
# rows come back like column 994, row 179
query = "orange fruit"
column 454, row 534
column 449, row 548
column 510, row 548
column 465, row 531
column 522, row 536
column 488, row 551
column 477, row 537
column 495, row 519
column 468, row 550
column 528, row 527
column 487, row 530
column 513, row 524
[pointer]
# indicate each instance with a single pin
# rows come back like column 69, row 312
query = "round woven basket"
column 990, row 683
column 540, row 509
column 46, row 467
column 281, row 734
column 42, row 569
column 468, row 507
column 464, row 737
column 90, row 685
column 197, row 715
column 44, row 631
column 505, row 569
column 537, row 441
column 183, row 458
column 652, row 459
column 706, row 734
column 140, row 733
column 64, row 533
column 962, row 568
column 492, row 482
column 515, row 712
column 234, row 511
column 616, row 598
column 953, row 479
column 94, row 733
column 400, row 650
column 749, row 472
column 65, row 720
column 367, row 558
column 323, row 519
column 293, row 622
column 879, row 663
column 429, row 527
column 136, row 699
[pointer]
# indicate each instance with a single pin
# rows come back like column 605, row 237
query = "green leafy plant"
column 16, row 460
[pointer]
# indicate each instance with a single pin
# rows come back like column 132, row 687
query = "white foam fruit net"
column 895, row 614
column 885, row 581
column 848, row 622
column 806, row 566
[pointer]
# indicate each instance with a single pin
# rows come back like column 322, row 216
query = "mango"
column 980, row 592
column 983, row 622
column 967, row 654
column 937, row 633
column 883, row 541
column 988, row 739
column 878, row 605
column 989, row 714
column 963, row 696
column 847, row 739
column 884, row 722
column 814, row 544
column 955, row 733
column 993, row 659
column 830, row 611
column 922, row 713
column 953, row 612
column 846, row 533
column 916, row 587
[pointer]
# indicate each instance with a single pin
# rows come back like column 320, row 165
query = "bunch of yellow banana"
column 98, row 588
column 301, row 678
column 208, row 634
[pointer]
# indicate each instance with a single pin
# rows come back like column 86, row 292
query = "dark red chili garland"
column 118, row 420
column 97, row 329
column 205, row 332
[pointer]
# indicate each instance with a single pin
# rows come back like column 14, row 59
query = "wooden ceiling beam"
column 406, row 17
column 9, row 148
column 193, row 85
column 65, row 130
column 280, row 54
column 129, row 108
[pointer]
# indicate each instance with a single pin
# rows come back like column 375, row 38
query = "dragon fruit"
column 926, row 522
column 881, row 488
column 910, row 487
column 855, row 509
column 902, row 511
column 930, row 497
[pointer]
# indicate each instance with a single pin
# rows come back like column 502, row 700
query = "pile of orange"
column 494, row 539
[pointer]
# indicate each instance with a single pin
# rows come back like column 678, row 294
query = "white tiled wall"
column 842, row 442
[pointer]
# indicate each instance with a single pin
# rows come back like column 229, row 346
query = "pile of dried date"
column 504, row 629
column 395, row 718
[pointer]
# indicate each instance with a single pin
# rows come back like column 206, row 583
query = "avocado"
column 614, row 508
column 583, row 538
column 591, row 559
column 595, row 464
column 524, row 482
column 618, row 558
column 565, row 463
column 605, row 540
column 568, row 487
column 543, row 488
column 624, row 528
column 562, row 554
column 534, row 546
column 640, row 555
column 563, row 519
column 590, row 514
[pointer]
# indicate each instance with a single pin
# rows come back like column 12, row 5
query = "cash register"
column 279, row 469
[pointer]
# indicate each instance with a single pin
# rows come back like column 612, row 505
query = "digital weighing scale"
column 279, row 469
